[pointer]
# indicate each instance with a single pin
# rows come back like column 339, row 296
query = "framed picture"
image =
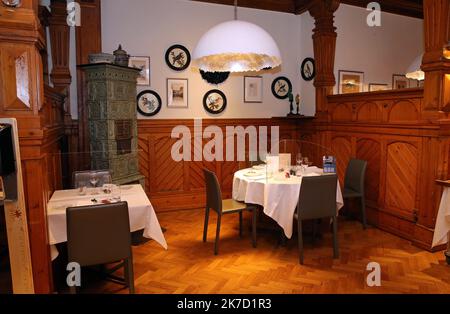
column 177, row 93
column 142, row 63
column 148, row 103
column 281, row 87
column 350, row 82
column 413, row 83
column 308, row 69
column 375, row 87
column 399, row 81
column 178, row 58
column 253, row 89
column 215, row 101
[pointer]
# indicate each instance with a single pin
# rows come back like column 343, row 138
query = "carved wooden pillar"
column 436, row 99
column 60, row 41
column 88, row 41
column 324, row 41
column 22, row 97
column 435, row 66
column 44, row 18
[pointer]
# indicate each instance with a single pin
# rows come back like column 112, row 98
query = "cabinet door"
column 402, row 172
column 370, row 150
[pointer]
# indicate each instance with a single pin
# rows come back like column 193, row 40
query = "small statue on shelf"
column 297, row 101
column 291, row 100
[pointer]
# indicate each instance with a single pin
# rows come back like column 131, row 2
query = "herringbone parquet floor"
column 189, row 265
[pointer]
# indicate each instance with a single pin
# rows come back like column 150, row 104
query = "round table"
column 278, row 196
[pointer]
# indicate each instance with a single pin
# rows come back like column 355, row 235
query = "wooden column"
column 436, row 103
column 435, row 66
column 40, row 121
column 88, row 37
column 324, row 41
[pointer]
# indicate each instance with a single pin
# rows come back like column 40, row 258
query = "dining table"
column 278, row 195
column 141, row 212
column 442, row 228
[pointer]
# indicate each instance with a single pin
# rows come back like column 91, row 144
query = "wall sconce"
column 447, row 51
column 12, row 3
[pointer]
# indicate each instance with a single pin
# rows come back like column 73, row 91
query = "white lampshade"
column 414, row 72
column 236, row 46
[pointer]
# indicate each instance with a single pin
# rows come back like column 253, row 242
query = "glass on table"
column 81, row 187
column 93, row 179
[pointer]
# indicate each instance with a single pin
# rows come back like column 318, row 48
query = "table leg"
column 447, row 253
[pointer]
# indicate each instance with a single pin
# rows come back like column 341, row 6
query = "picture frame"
column 148, row 103
column 308, row 69
column 412, row 83
column 281, row 87
column 214, row 101
column 177, row 93
column 253, row 89
column 400, row 81
column 142, row 63
column 375, row 87
column 178, row 57
column 350, row 82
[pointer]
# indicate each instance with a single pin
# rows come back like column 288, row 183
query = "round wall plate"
column 178, row 58
column 281, row 87
column 148, row 103
column 215, row 101
column 308, row 69
column 12, row 3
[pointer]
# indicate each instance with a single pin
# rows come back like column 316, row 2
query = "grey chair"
column 84, row 177
column 354, row 184
column 317, row 200
column 99, row 235
column 222, row 207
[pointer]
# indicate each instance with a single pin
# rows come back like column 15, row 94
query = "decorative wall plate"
column 178, row 58
column 215, row 101
column 281, row 87
column 12, row 3
column 148, row 103
column 308, row 69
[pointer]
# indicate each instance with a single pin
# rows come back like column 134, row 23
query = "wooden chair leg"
column 255, row 213
column 335, row 238
column 216, row 244
column 205, row 229
column 300, row 241
column 363, row 212
column 240, row 224
column 129, row 274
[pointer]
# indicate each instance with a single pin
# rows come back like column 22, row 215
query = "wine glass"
column 305, row 164
column 93, row 179
column 299, row 159
column 81, row 186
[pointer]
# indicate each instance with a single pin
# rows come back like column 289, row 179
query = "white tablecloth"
column 443, row 220
column 278, row 197
column 141, row 212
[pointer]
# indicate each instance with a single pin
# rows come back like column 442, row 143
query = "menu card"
column 329, row 164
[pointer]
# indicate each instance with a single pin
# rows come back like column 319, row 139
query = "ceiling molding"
column 411, row 8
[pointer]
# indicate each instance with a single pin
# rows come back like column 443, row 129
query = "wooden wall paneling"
column 341, row 146
column 369, row 112
column 173, row 185
column 404, row 111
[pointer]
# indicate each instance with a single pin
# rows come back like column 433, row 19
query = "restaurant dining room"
column 224, row 147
